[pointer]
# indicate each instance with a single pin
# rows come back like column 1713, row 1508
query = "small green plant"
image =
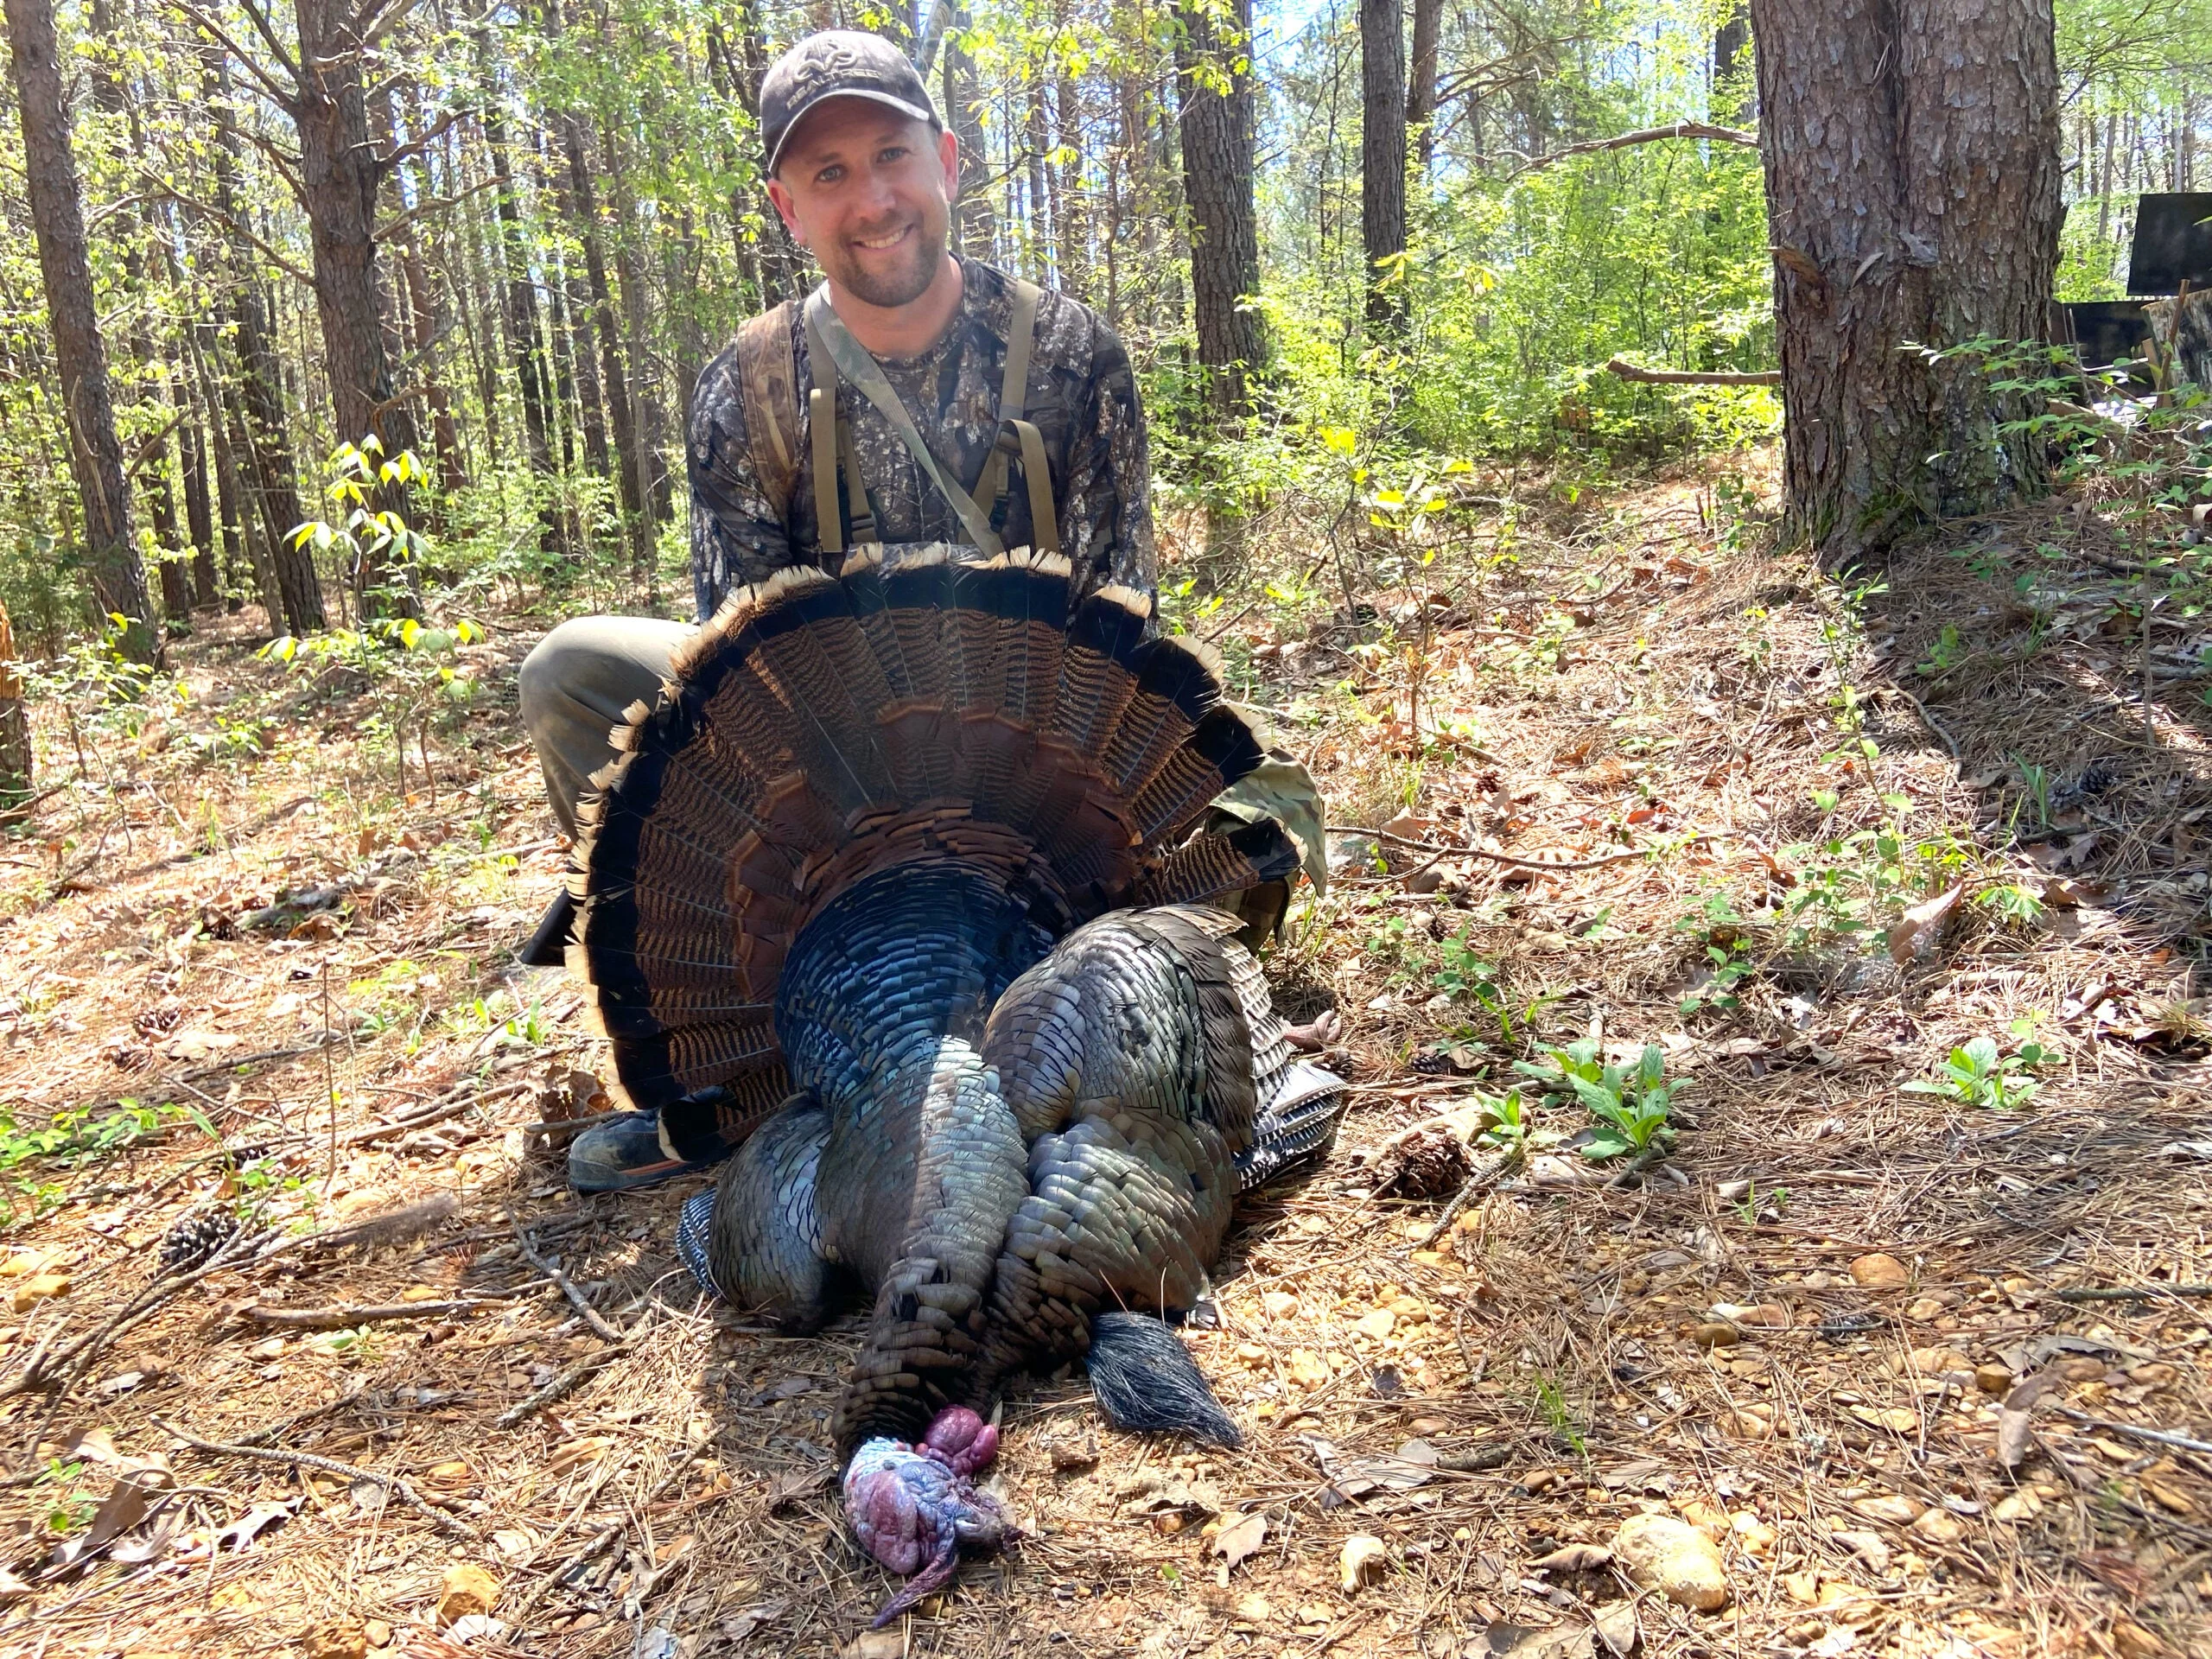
column 2011, row 902
column 1976, row 1074
column 1513, row 1126
column 2037, row 780
column 1946, row 654
column 1755, row 1206
column 1631, row 1103
column 1551, row 1400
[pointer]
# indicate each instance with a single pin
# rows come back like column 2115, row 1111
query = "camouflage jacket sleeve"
column 737, row 534
column 1106, row 510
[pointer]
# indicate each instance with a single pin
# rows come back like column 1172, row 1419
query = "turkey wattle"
column 897, row 886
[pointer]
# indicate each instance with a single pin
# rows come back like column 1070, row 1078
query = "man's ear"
column 948, row 155
column 779, row 193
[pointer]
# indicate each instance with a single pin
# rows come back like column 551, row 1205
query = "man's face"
column 869, row 192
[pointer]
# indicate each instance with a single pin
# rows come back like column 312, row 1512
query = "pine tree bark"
column 976, row 221
column 1215, row 129
column 1382, row 156
column 116, row 571
column 522, row 327
column 633, row 479
column 1912, row 177
column 261, row 447
column 199, row 515
column 1421, row 85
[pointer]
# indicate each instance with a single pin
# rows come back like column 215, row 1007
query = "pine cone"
column 192, row 1240
column 1433, row 1164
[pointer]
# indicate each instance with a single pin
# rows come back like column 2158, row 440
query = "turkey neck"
column 880, row 1012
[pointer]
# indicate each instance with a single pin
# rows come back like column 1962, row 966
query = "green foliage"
column 1631, row 1103
column 1977, row 1074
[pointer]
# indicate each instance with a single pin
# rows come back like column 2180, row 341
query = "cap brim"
column 913, row 112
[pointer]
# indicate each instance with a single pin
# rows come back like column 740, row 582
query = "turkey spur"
column 901, row 886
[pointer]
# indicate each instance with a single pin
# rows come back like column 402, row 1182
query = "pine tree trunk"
column 261, row 445
column 1912, row 196
column 340, row 172
column 1382, row 156
column 633, row 478
column 14, row 721
column 116, row 571
column 522, row 329
column 977, row 224
column 1421, row 86
column 1067, row 190
column 1216, row 134
column 198, row 514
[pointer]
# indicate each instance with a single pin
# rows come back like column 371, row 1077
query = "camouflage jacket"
column 1082, row 395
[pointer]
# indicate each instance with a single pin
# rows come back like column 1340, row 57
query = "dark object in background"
column 2104, row 330
column 2173, row 242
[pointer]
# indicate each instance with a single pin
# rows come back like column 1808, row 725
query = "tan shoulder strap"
column 1014, row 391
column 767, row 383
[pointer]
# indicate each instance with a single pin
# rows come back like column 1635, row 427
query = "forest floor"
column 1809, row 838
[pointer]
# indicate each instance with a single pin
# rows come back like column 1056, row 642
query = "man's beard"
column 903, row 283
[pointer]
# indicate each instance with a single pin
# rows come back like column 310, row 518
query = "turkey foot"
column 1322, row 1030
column 915, row 1507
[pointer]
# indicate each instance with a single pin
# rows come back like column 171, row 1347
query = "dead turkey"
column 898, row 884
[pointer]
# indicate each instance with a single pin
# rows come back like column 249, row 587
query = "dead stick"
column 1495, row 858
column 2159, row 1436
column 2122, row 1293
column 592, row 1317
column 600, row 1540
column 563, row 1384
column 343, row 1318
column 1636, row 1166
column 1476, row 1184
column 394, row 1484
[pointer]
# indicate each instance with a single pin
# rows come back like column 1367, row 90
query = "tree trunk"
column 1216, row 134
column 1421, row 87
column 340, row 172
column 975, row 223
column 633, row 479
column 262, row 446
column 112, row 561
column 198, row 514
column 522, row 326
column 1912, row 177
column 1067, row 190
column 1383, row 157
column 15, row 723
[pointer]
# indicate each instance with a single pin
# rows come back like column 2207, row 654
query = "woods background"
column 509, row 241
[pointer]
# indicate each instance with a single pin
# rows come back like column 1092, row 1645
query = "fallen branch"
column 1628, row 370
column 1485, row 852
column 2156, row 1436
column 600, row 1540
column 1643, row 136
column 345, row 1318
column 561, row 1384
column 393, row 1483
column 592, row 1317
column 1476, row 1184
column 2128, row 1294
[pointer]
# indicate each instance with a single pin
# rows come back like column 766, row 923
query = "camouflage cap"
column 837, row 63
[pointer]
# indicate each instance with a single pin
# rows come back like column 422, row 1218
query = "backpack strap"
column 767, row 384
column 1018, row 436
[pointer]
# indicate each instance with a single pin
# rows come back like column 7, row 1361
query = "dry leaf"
column 1239, row 1539
column 1518, row 1641
column 241, row 1533
column 2015, row 1422
column 1574, row 1558
column 790, row 1487
column 739, row 1625
column 1361, row 1562
column 1915, row 934
column 466, row 1589
column 1616, row 1629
